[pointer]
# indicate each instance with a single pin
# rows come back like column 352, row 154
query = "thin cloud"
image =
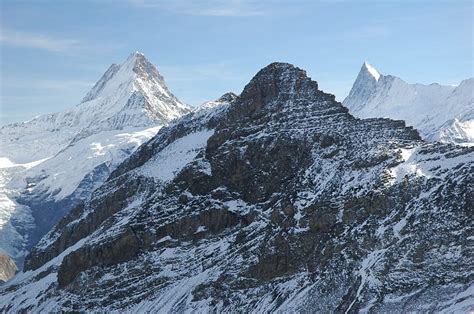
column 216, row 8
column 44, row 85
column 39, row 41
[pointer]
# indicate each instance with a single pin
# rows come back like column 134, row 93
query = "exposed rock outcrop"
column 8, row 268
column 277, row 199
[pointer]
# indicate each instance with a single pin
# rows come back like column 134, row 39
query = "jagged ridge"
column 278, row 200
column 440, row 113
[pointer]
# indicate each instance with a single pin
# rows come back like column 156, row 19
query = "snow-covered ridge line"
column 372, row 70
column 440, row 113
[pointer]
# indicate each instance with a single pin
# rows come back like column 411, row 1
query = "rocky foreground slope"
column 277, row 199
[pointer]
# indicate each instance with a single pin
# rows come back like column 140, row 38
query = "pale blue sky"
column 52, row 52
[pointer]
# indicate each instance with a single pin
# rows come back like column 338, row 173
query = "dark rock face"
column 71, row 231
column 291, row 204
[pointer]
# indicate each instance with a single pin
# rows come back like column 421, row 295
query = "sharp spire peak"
column 372, row 71
column 136, row 57
column 135, row 54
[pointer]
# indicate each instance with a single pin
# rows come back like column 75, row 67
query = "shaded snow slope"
column 443, row 113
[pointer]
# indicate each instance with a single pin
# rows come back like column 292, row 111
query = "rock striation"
column 274, row 200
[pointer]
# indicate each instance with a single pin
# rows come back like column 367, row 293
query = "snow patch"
column 63, row 173
column 409, row 166
column 372, row 71
column 167, row 163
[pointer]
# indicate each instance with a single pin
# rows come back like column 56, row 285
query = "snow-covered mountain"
column 53, row 161
column 440, row 113
column 277, row 200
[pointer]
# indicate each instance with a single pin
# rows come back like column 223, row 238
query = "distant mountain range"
column 276, row 199
column 440, row 113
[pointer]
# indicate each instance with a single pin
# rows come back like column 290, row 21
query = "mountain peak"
column 136, row 53
column 278, row 78
column 133, row 93
column 280, row 71
column 230, row 96
column 136, row 66
column 430, row 108
column 364, row 87
column 366, row 67
column 137, row 63
column 135, row 57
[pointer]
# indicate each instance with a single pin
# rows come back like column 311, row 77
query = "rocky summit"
column 276, row 199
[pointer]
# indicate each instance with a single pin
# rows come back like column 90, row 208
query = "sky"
column 52, row 52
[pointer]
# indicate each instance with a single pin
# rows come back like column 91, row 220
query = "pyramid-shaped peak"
column 281, row 71
column 136, row 66
column 134, row 56
column 228, row 97
column 139, row 64
column 372, row 71
column 138, row 53
column 277, row 78
column 133, row 94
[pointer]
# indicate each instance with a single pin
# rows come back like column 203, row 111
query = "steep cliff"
column 277, row 199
